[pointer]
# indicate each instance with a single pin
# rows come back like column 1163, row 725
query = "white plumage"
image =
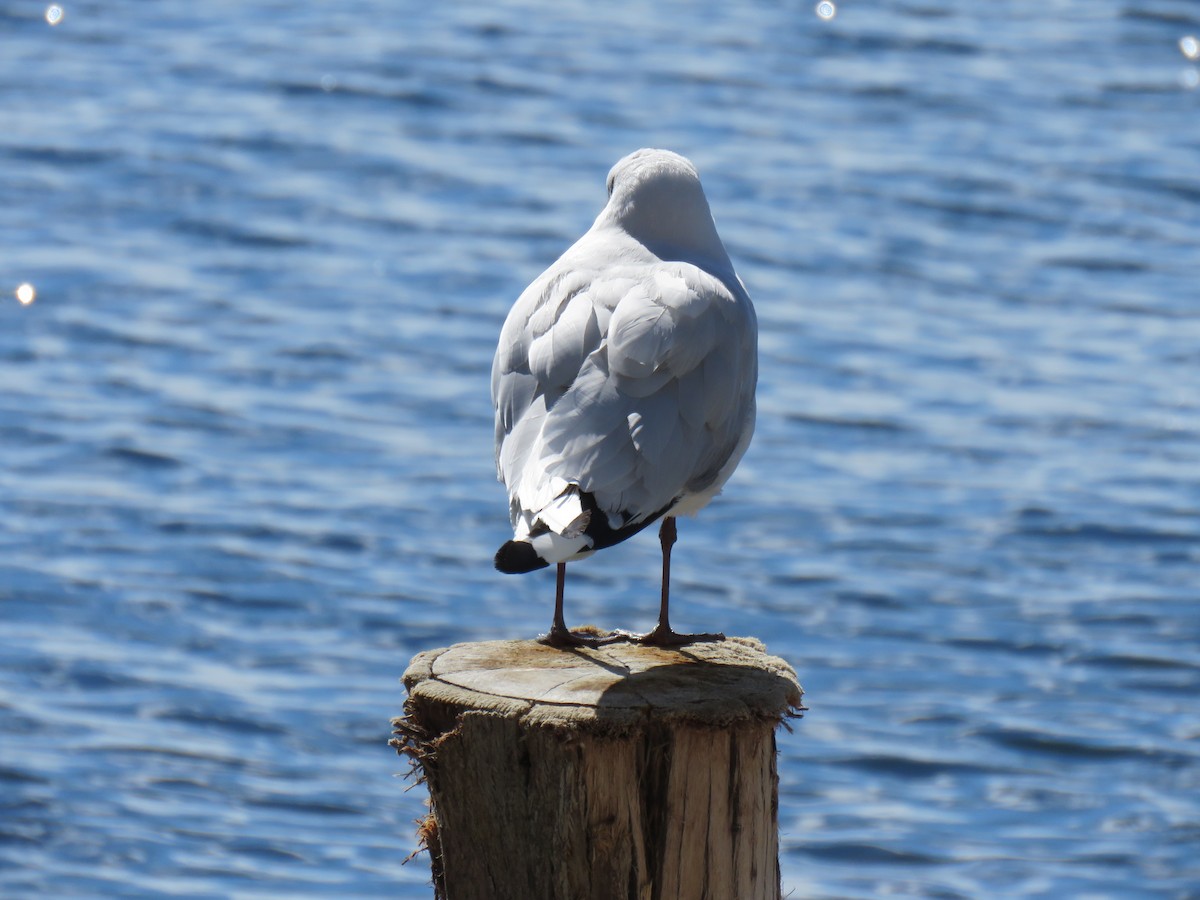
column 624, row 378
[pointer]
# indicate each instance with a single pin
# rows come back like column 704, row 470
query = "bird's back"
column 623, row 385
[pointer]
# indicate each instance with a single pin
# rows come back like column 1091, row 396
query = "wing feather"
column 631, row 383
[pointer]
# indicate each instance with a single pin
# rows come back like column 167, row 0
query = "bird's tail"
column 555, row 533
column 518, row 557
column 585, row 529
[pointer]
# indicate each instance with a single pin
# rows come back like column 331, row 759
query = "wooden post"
column 620, row 773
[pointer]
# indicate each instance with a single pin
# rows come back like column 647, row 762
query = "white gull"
column 624, row 381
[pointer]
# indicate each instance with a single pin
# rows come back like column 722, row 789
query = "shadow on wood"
column 620, row 772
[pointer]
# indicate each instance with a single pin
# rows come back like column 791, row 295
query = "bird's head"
column 655, row 196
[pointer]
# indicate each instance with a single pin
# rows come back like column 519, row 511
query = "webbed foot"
column 565, row 637
column 666, row 637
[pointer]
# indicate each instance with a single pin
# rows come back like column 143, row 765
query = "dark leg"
column 667, row 535
column 663, row 635
column 559, row 584
column 561, row 636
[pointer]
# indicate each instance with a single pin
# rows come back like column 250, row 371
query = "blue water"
column 245, row 436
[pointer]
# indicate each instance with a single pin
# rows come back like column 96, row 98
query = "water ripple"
column 245, row 440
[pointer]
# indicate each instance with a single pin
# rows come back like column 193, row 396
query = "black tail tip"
column 516, row 557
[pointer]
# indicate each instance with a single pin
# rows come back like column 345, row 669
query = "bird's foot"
column 588, row 636
column 665, row 637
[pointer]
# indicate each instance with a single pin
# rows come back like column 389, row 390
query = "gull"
column 623, row 383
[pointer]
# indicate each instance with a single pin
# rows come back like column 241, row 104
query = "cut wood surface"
column 618, row 772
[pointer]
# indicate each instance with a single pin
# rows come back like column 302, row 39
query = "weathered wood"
column 620, row 773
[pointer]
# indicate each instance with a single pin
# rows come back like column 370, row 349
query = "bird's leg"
column 667, row 535
column 561, row 636
column 559, row 626
column 663, row 635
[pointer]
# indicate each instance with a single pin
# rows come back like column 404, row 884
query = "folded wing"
column 635, row 385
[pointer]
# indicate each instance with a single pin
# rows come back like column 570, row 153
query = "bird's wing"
column 635, row 383
column 546, row 339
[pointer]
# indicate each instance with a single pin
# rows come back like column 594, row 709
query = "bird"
column 624, row 384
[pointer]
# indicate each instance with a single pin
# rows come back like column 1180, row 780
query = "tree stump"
column 625, row 772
